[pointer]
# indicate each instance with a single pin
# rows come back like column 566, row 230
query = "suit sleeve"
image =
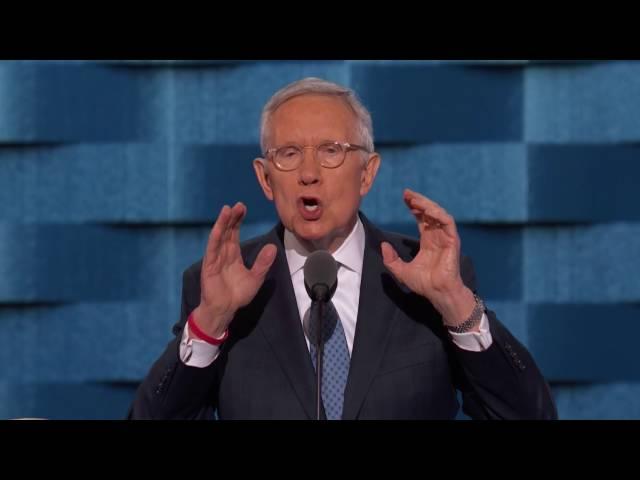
column 171, row 389
column 502, row 382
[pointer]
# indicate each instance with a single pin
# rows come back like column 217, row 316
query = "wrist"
column 456, row 305
column 473, row 321
column 205, row 324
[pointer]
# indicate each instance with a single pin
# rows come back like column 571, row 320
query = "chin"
column 312, row 231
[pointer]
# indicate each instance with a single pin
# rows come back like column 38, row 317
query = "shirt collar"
column 350, row 254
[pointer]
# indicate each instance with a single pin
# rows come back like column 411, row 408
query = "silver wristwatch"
column 473, row 320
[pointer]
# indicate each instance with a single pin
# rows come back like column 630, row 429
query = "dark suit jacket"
column 403, row 363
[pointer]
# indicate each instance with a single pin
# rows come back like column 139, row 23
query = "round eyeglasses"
column 328, row 154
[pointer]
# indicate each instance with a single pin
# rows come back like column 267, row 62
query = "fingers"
column 427, row 207
column 233, row 218
column 240, row 211
column 429, row 213
column 392, row 261
column 427, row 220
column 216, row 236
column 263, row 261
column 226, row 228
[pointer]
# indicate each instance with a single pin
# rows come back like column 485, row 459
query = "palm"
column 436, row 264
column 435, row 268
column 226, row 280
column 225, row 283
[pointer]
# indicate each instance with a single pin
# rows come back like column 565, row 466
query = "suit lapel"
column 282, row 327
column 376, row 315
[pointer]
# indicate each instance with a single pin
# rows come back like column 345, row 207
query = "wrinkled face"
column 319, row 205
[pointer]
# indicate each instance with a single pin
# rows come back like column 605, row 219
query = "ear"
column 262, row 173
column 369, row 173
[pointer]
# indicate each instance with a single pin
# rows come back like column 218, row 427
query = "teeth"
column 311, row 208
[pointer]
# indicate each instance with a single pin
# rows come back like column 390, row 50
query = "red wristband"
column 200, row 334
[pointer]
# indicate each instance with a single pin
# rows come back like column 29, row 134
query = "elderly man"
column 408, row 331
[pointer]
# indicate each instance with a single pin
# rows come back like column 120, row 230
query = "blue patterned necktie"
column 335, row 360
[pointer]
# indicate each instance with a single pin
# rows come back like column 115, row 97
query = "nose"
column 309, row 171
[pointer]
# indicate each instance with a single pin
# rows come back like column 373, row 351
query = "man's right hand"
column 226, row 284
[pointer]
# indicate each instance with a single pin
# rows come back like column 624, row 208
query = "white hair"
column 310, row 86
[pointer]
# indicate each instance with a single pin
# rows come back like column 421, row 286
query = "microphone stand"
column 321, row 294
column 319, row 354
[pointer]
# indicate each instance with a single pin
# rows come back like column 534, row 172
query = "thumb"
column 264, row 260
column 392, row 261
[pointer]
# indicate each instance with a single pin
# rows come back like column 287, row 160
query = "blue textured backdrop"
column 112, row 172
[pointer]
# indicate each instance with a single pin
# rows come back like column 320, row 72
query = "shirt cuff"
column 196, row 353
column 474, row 341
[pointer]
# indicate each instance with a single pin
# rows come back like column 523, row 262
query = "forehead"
column 313, row 118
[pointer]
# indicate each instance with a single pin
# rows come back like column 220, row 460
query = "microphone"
column 320, row 275
column 320, row 281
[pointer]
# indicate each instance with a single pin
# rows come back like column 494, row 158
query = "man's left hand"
column 434, row 272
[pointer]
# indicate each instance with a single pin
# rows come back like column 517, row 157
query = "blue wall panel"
column 441, row 103
column 112, row 172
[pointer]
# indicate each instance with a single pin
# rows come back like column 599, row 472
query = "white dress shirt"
column 350, row 256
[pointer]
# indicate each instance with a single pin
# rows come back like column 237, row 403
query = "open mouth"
column 310, row 204
column 310, row 208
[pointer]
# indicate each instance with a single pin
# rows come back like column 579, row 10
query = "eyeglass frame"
column 348, row 147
